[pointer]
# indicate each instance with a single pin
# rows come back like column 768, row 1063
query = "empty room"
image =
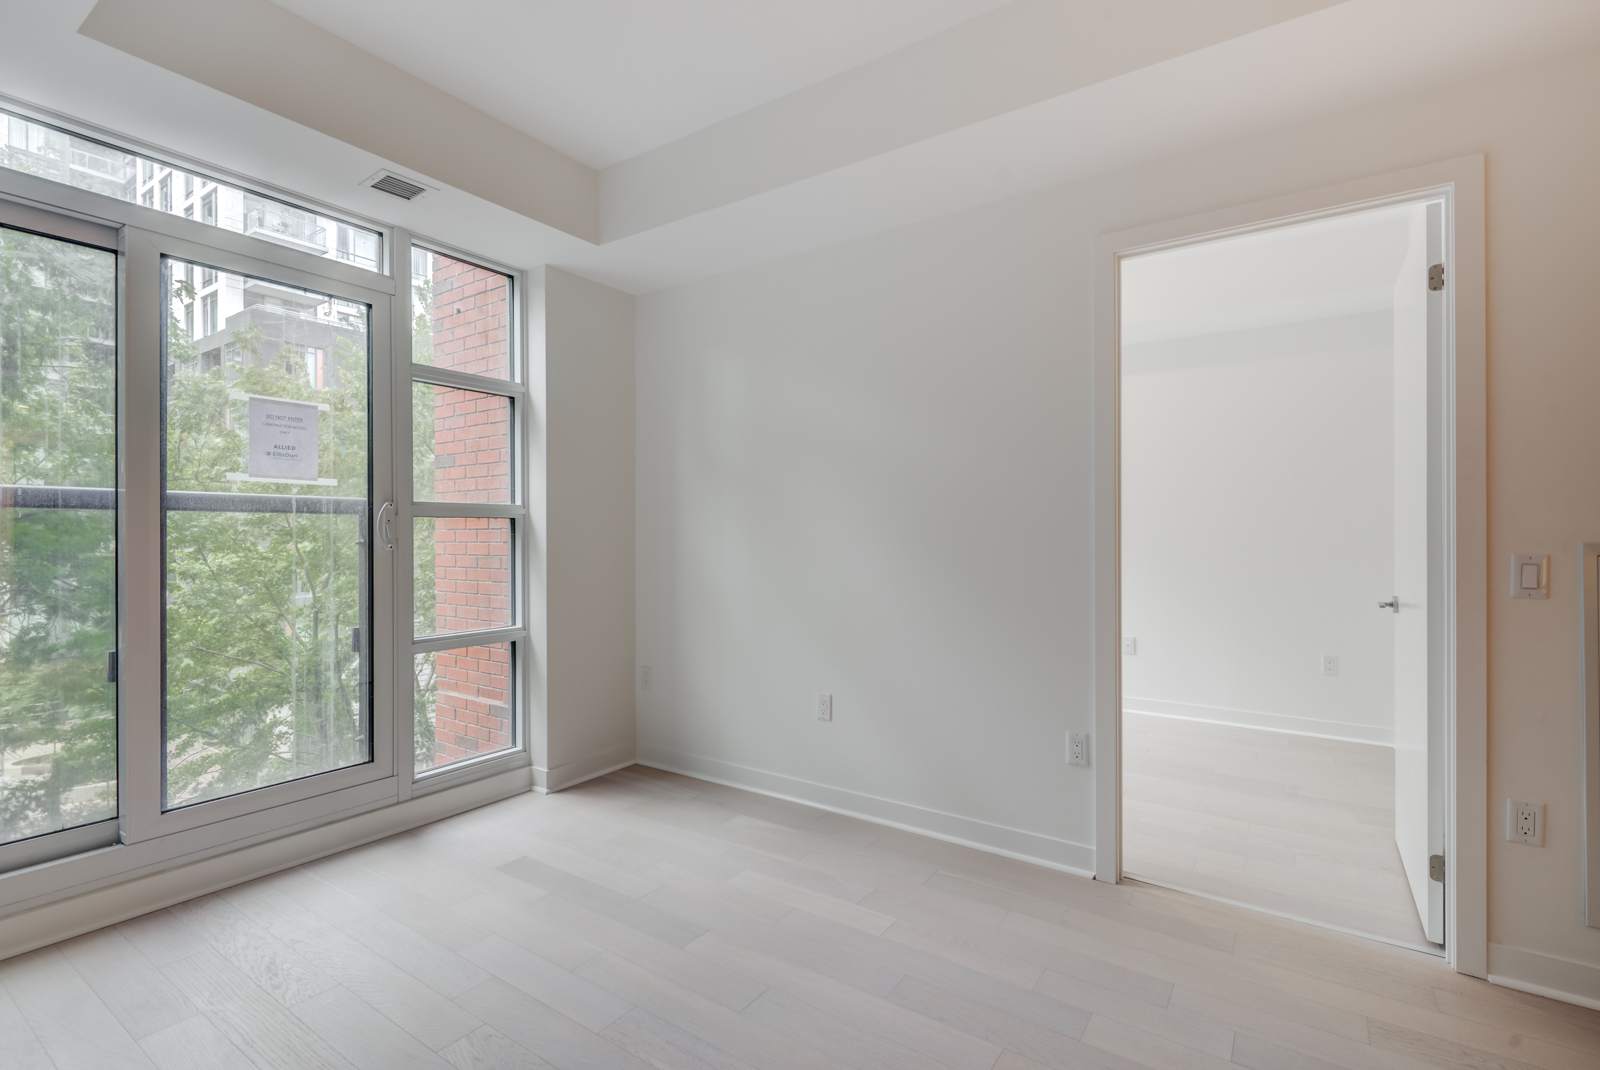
column 875, row 535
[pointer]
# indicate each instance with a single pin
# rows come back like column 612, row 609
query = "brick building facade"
column 472, row 463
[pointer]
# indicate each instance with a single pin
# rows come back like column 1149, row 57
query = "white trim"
column 1020, row 844
column 108, row 905
column 1545, row 975
column 1433, row 950
column 542, row 789
column 1462, row 181
column 569, row 774
column 1265, row 722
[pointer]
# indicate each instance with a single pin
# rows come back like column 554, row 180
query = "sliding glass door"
column 262, row 511
column 58, row 380
column 266, row 503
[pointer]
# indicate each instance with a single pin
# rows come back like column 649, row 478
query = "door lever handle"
column 1392, row 605
column 386, row 526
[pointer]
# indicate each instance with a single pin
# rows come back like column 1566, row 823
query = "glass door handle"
column 386, row 526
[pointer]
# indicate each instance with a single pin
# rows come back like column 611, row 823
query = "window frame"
column 143, row 839
column 517, row 633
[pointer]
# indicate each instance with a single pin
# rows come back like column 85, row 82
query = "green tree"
column 57, row 565
column 264, row 663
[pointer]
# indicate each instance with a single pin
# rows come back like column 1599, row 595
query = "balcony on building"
column 293, row 227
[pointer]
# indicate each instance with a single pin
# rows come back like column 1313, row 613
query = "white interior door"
column 1419, row 566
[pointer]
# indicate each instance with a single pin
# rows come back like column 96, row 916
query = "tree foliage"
column 264, row 656
column 57, row 566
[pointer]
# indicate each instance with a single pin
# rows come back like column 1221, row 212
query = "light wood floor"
column 648, row 920
column 1295, row 824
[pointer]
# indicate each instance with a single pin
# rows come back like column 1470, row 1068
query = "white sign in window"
column 282, row 441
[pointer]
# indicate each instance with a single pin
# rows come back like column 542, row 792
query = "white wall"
column 1257, row 526
column 866, row 470
column 583, row 333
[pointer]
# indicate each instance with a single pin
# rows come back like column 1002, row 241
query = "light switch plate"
column 824, row 707
column 1530, row 575
column 1130, row 645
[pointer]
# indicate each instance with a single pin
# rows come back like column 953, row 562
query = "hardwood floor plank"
column 813, row 955
column 266, row 960
column 255, row 1022
column 843, row 1041
column 1192, row 1031
column 908, row 1029
column 743, row 1038
column 844, row 911
column 646, row 919
column 71, row 1022
column 1044, row 1046
column 651, row 920
column 589, row 1005
column 1157, row 1053
column 389, row 990
column 486, row 1048
column 675, row 964
column 17, row 1038
column 550, row 1035
column 194, row 1044
column 132, row 989
column 436, row 966
column 522, row 926
column 362, row 1035
column 665, row 1046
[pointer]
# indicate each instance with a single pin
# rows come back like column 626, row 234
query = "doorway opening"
column 1285, row 533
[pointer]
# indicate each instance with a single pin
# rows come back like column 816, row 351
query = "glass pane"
column 50, row 153
column 463, row 704
column 460, row 315
column 266, row 505
column 460, row 444
column 58, row 727
column 463, row 574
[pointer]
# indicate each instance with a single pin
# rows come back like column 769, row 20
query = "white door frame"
column 1466, row 839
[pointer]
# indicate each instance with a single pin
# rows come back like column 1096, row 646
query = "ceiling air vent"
column 406, row 189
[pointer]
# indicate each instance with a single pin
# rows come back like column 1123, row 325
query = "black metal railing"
column 179, row 501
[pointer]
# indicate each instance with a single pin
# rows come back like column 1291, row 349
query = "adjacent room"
column 1275, row 430
column 871, row 535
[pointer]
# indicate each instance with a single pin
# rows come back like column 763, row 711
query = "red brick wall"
column 472, row 450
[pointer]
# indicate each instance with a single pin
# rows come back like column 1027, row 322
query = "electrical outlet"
column 1130, row 645
column 1077, row 748
column 1330, row 665
column 1525, row 822
column 644, row 677
column 824, row 707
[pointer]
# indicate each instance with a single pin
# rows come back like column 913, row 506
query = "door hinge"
column 111, row 667
column 1436, row 277
column 1436, row 868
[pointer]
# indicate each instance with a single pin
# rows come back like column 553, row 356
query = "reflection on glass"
column 460, row 315
column 463, row 704
column 58, row 741
column 461, row 445
column 266, row 504
column 463, row 574
column 37, row 149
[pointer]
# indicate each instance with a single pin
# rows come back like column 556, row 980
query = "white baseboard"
column 571, row 774
column 1545, row 975
column 66, row 918
column 1034, row 847
column 1270, row 722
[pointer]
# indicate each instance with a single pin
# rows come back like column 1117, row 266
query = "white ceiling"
column 729, row 197
column 603, row 80
column 1332, row 267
